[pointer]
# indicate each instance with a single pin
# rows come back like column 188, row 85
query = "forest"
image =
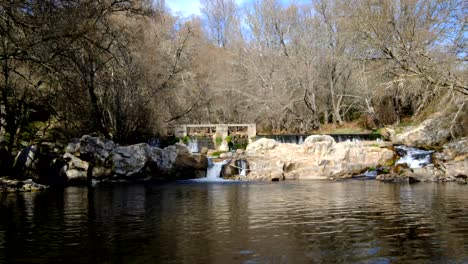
column 129, row 69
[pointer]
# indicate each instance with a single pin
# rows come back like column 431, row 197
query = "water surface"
column 289, row 222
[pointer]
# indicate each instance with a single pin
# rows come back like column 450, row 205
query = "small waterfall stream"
column 413, row 157
column 214, row 171
column 242, row 167
column 193, row 145
column 213, row 174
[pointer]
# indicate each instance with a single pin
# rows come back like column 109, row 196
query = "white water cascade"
column 301, row 140
column 242, row 164
column 214, row 170
column 413, row 157
column 193, row 145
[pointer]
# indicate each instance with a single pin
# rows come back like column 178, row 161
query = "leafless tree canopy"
column 125, row 68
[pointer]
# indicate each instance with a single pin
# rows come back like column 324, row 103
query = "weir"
column 219, row 130
column 208, row 133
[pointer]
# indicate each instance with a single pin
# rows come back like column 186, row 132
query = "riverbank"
column 94, row 159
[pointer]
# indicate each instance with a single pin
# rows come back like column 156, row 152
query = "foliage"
column 216, row 154
column 129, row 68
column 186, row 140
column 218, row 140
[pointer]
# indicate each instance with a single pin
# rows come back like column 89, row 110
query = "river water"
column 288, row 222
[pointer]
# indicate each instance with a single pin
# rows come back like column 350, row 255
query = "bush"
column 216, row 154
column 186, row 139
column 218, row 140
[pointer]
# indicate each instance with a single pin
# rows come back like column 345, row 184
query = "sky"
column 192, row 7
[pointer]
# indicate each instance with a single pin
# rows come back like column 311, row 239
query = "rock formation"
column 320, row 157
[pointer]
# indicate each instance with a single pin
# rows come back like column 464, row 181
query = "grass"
column 216, row 154
column 347, row 128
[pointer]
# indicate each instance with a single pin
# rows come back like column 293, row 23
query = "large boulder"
column 188, row 166
column 457, row 149
column 229, row 171
column 75, row 170
column 88, row 148
column 26, row 163
column 433, row 133
column 343, row 160
column 266, row 169
column 261, row 146
column 37, row 164
column 320, row 157
column 107, row 160
column 388, row 133
column 318, row 144
column 177, row 162
column 130, row 160
column 311, row 140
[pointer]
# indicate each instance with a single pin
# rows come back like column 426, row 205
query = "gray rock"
column 130, row 160
column 94, row 148
column 26, row 163
column 388, row 133
column 430, row 134
column 260, row 146
column 318, row 158
column 76, row 170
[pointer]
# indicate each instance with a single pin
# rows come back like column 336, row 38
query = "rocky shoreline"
column 321, row 158
column 94, row 159
column 91, row 159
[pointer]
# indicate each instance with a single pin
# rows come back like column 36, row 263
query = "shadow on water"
column 187, row 222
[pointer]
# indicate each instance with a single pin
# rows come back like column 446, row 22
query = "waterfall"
column 301, row 140
column 413, row 157
column 155, row 142
column 214, row 171
column 193, row 145
column 242, row 167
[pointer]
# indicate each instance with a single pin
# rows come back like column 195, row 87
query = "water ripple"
column 293, row 222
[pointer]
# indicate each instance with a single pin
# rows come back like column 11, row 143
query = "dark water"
column 291, row 222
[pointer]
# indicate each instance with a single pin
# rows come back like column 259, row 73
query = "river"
column 287, row 222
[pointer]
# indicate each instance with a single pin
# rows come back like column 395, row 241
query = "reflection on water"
column 292, row 222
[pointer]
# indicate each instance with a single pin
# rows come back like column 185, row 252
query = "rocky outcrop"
column 320, row 157
column 388, row 133
column 75, row 170
column 39, row 164
column 130, row 160
column 450, row 164
column 26, row 164
column 261, row 146
column 95, row 158
column 430, row 134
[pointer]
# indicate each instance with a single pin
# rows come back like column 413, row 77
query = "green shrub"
column 228, row 139
column 218, row 140
column 216, row 154
column 186, row 139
